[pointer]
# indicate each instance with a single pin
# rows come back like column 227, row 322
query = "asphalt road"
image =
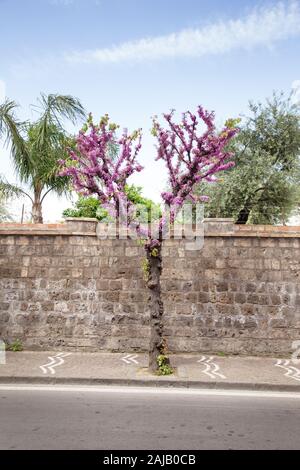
column 124, row 418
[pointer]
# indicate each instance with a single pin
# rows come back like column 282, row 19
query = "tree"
column 36, row 147
column 190, row 157
column 91, row 207
column 263, row 187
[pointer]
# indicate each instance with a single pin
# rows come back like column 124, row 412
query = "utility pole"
column 22, row 216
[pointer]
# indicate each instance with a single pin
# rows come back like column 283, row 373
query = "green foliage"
column 45, row 159
column 154, row 252
column 233, row 123
column 90, row 206
column 147, row 210
column 8, row 190
column 264, row 185
column 86, row 207
column 164, row 367
column 146, row 269
column 15, row 346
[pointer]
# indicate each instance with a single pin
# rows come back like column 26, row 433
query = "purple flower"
column 190, row 155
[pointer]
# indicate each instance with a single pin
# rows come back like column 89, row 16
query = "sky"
column 134, row 59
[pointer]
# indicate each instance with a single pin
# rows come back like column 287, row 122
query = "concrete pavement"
column 191, row 370
column 72, row 417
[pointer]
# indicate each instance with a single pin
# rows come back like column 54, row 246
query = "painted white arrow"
column 130, row 359
column 55, row 361
column 211, row 368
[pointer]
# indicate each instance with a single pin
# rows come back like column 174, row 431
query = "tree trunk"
column 37, row 215
column 155, row 303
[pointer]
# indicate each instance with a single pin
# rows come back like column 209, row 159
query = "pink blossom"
column 190, row 155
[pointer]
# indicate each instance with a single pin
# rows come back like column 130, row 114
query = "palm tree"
column 36, row 148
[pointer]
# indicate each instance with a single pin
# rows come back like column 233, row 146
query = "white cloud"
column 261, row 27
column 296, row 92
column 2, row 91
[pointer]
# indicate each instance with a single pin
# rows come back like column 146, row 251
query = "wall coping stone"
column 81, row 219
column 212, row 227
column 220, row 220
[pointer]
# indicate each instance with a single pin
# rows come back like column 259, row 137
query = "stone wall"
column 60, row 286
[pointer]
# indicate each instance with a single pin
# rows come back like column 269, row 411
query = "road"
column 52, row 417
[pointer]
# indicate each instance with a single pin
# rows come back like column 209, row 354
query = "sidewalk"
column 191, row 370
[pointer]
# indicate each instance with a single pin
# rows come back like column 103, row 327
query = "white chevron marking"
column 49, row 364
column 55, row 361
column 291, row 371
column 211, row 368
column 130, row 359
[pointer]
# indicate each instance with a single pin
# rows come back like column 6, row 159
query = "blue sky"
column 136, row 58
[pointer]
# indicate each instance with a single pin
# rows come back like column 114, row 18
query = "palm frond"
column 56, row 108
column 66, row 106
column 8, row 190
column 12, row 130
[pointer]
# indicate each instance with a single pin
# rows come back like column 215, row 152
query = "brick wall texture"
column 60, row 286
